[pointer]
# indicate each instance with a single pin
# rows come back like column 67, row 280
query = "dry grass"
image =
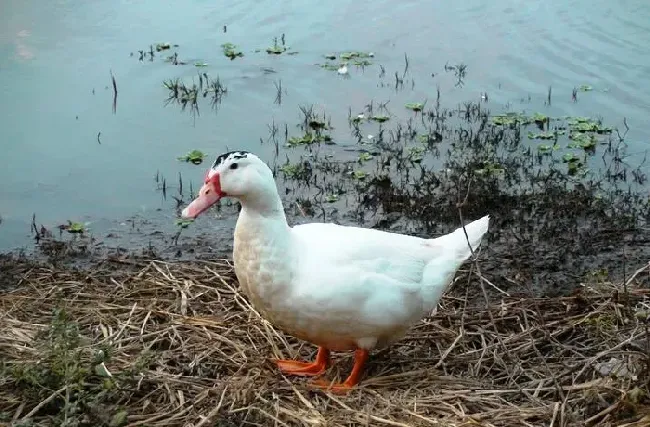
column 181, row 346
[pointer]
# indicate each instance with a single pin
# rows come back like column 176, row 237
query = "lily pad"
column 231, row 51
column 416, row 154
column 427, row 138
column 583, row 140
column 540, row 118
column 571, row 158
column 194, row 156
column 74, row 227
column 510, row 119
column 293, row 170
column 276, row 50
column 574, row 163
column 361, row 62
column 490, row 169
column 545, row 149
column 380, row 118
column 184, row 223
column 164, row 46
column 349, row 55
column 359, row 175
column 308, row 139
column 415, row 106
column 364, row 157
column 585, row 124
column 545, row 135
column 331, row 67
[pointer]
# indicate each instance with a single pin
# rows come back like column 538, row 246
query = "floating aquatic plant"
column 308, row 139
column 349, row 55
column 183, row 223
column 230, row 51
column 365, row 157
column 164, row 46
column 380, row 118
column 415, row 106
column 277, row 48
column 545, row 135
column 194, row 156
column 73, row 227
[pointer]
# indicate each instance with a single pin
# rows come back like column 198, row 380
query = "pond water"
column 67, row 156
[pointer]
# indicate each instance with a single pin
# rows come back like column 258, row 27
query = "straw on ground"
column 159, row 344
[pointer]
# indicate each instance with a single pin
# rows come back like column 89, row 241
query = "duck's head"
column 238, row 174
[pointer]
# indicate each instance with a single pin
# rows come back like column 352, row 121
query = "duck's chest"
column 262, row 269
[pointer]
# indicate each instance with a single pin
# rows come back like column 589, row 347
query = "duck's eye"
column 234, row 166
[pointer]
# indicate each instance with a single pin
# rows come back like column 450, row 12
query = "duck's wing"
column 376, row 277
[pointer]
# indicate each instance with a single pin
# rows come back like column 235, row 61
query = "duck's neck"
column 262, row 218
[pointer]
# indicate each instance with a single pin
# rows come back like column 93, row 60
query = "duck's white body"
column 345, row 287
column 339, row 287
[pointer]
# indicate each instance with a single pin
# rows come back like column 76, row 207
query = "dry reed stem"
column 188, row 350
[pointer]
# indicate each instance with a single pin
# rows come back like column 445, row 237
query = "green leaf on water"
column 570, row 158
column 331, row 67
column 184, row 223
column 359, row 175
column 544, row 135
column 415, row 106
column 416, row 154
column 75, row 227
column 361, row 62
column 294, row 170
column 582, row 140
column 490, row 169
column 585, row 124
column 231, row 51
column 544, row 149
column 194, row 156
column 349, row 55
column 164, row 46
column 539, row 118
column 364, row 157
column 380, row 118
column 308, row 139
column 276, row 50
column 510, row 119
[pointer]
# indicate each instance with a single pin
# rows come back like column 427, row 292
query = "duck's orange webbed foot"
column 306, row 369
column 360, row 358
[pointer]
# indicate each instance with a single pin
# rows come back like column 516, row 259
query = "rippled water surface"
column 56, row 94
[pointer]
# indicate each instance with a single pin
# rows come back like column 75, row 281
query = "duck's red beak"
column 209, row 194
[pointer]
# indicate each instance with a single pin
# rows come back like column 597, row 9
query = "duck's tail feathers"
column 458, row 240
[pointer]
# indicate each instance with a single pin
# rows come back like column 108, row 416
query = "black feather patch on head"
column 232, row 155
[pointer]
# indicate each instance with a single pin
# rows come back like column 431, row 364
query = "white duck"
column 338, row 287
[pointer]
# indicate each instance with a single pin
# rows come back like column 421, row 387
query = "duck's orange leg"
column 306, row 369
column 360, row 358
